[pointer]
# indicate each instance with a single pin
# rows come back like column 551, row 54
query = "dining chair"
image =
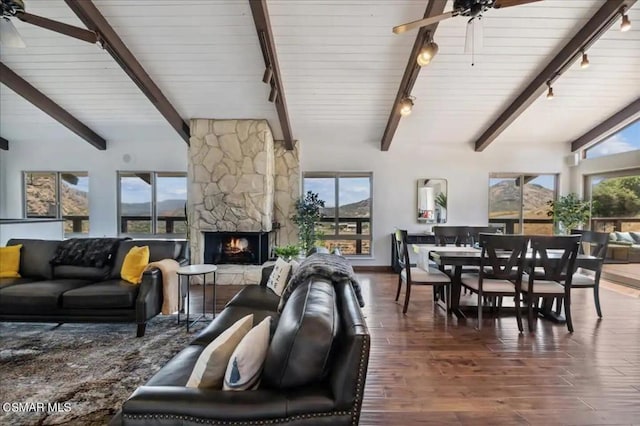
column 458, row 235
column 594, row 244
column 411, row 275
column 501, row 270
column 554, row 258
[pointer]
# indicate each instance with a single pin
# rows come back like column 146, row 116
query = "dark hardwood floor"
column 421, row 373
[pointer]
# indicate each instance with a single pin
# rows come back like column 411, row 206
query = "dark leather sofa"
column 66, row 293
column 334, row 400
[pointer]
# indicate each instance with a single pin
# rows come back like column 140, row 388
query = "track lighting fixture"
column 625, row 24
column 273, row 95
column 267, row 76
column 550, row 91
column 406, row 106
column 427, row 53
column 585, row 61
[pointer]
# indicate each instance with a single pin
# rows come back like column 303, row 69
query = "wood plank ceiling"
column 341, row 69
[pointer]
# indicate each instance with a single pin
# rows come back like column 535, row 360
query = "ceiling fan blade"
column 422, row 22
column 508, row 3
column 9, row 35
column 58, row 27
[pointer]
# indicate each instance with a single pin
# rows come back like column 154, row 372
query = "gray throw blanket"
column 329, row 266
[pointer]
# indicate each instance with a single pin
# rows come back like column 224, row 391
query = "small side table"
column 189, row 271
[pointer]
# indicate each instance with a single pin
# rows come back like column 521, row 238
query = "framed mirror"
column 432, row 201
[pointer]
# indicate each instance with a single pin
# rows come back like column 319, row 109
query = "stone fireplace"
column 241, row 182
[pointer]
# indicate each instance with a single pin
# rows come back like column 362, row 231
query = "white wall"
column 396, row 172
column 394, row 175
column 167, row 154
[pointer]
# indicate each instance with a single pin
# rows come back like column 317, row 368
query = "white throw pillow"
column 278, row 278
column 212, row 363
column 245, row 366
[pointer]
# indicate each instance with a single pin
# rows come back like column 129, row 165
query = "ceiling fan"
column 10, row 37
column 471, row 8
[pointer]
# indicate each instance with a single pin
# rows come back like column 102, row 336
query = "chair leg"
column 596, row 299
column 499, row 305
column 399, row 287
column 567, row 313
column 516, row 300
column 141, row 329
column 530, row 312
column 480, row 300
column 558, row 305
column 407, row 295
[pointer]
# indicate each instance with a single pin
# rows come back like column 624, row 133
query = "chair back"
column 503, row 256
column 597, row 242
column 458, row 235
column 402, row 251
column 556, row 255
column 475, row 231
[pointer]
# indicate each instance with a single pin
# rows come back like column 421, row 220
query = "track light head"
column 585, row 61
column 273, row 95
column 625, row 24
column 550, row 91
column 427, row 53
column 406, row 106
column 267, row 76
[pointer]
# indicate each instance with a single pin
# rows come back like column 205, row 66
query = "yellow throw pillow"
column 10, row 261
column 134, row 264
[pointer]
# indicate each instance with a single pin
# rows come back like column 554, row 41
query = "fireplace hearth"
column 240, row 248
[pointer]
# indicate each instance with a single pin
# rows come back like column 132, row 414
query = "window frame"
column 154, row 209
column 337, row 236
column 58, row 196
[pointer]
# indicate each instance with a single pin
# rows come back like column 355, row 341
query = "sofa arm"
column 174, row 404
column 149, row 301
column 266, row 272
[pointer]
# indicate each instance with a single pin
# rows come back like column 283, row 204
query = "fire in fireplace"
column 236, row 247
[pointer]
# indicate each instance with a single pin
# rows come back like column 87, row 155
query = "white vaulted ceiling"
column 341, row 67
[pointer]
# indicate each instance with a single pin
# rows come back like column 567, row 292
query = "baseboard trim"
column 373, row 268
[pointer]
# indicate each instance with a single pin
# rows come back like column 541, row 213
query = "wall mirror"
column 432, row 200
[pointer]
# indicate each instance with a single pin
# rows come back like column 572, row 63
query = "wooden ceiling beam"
column 267, row 45
column 599, row 23
column 617, row 121
column 16, row 83
column 4, row 144
column 425, row 34
column 112, row 43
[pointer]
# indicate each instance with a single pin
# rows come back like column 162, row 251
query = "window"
column 59, row 195
column 518, row 203
column 152, row 203
column 346, row 222
column 615, row 200
column 625, row 140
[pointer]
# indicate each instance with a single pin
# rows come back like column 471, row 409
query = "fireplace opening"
column 243, row 248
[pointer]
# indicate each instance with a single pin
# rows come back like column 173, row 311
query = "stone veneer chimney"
column 239, row 181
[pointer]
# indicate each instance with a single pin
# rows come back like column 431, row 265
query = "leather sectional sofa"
column 334, row 400
column 66, row 293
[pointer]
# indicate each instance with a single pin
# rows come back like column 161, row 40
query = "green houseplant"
column 287, row 252
column 569, row 212
column 307, row 215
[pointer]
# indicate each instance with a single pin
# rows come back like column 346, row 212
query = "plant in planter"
column 287, row 252
column 569, row 212
column 307, row 216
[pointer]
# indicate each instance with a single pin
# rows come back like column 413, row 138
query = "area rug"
column 79, row 373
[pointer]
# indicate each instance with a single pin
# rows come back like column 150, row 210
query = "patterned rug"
column 79, row 374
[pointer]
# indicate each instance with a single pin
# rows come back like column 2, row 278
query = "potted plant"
column 287, row 252
column 307, row 215
column 569, row 212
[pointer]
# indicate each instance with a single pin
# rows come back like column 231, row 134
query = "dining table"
column 458, row 257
